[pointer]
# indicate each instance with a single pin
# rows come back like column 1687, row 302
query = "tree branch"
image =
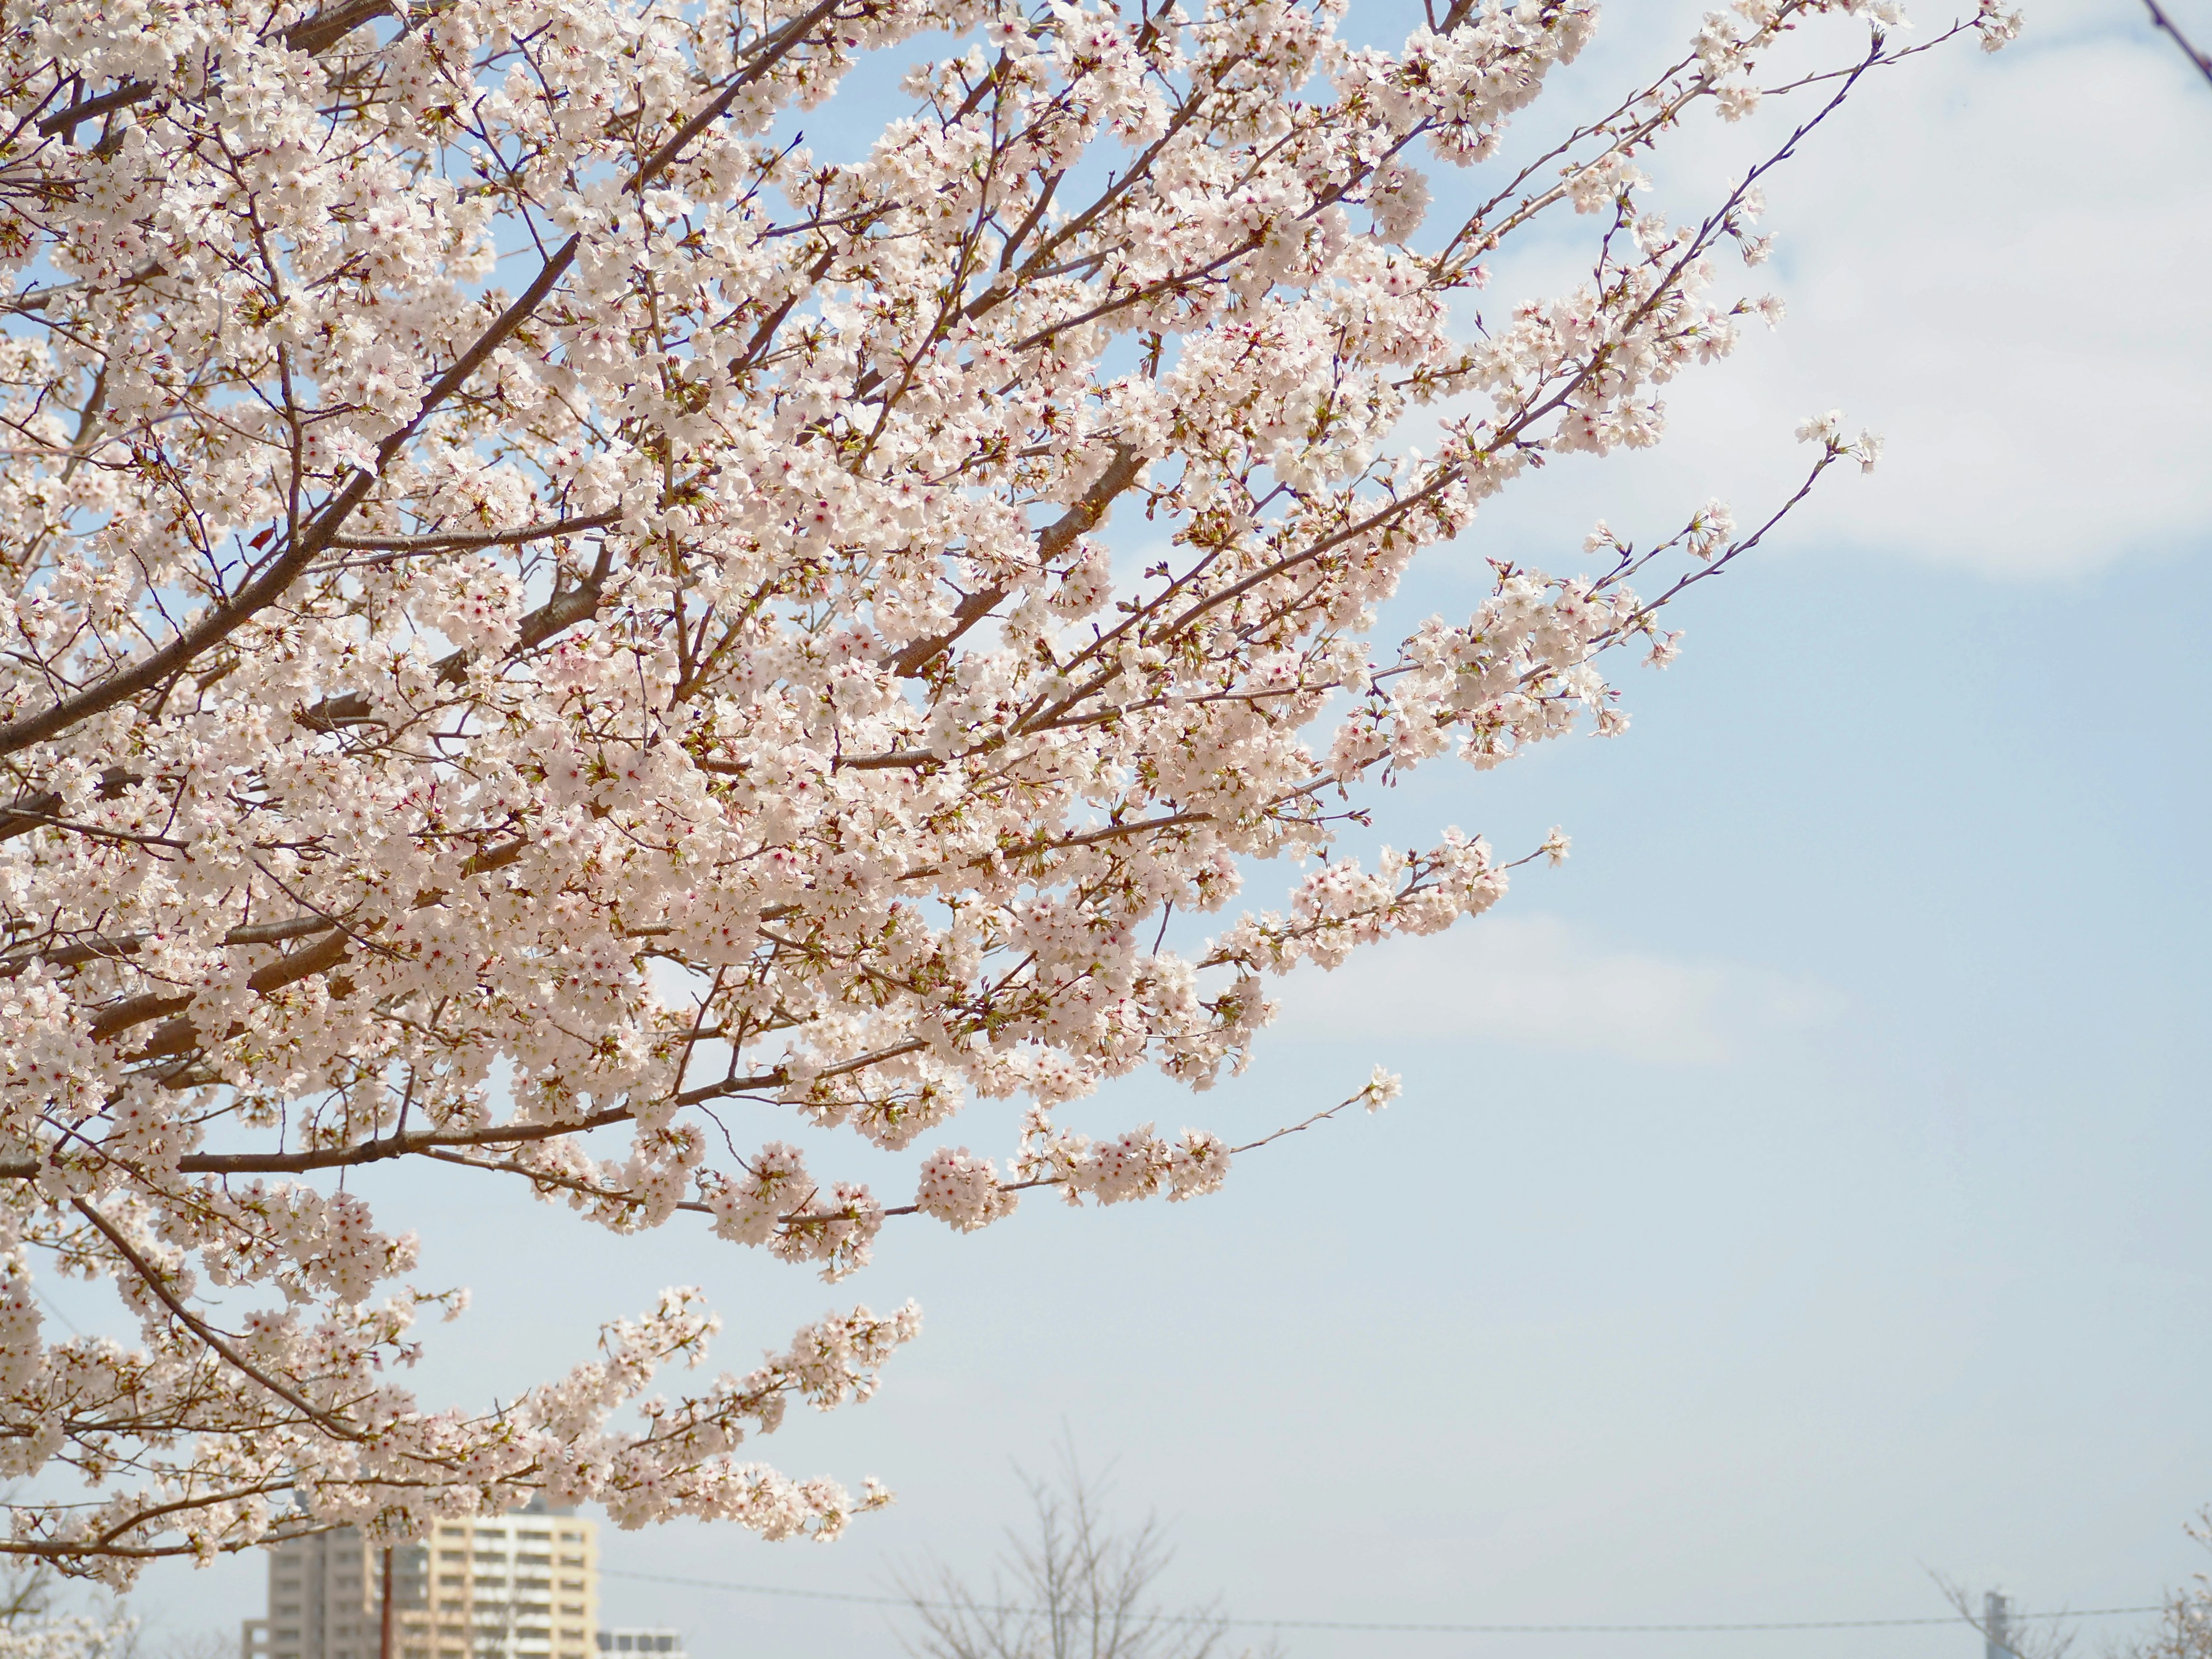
column 157, row 1282
column 2159, row 20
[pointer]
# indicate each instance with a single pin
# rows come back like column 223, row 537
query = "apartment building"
column 620, row 1641
column 519, row 1586
column 326, row 1600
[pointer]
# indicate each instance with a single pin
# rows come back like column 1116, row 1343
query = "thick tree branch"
column 64, row 123
column 371, row 1152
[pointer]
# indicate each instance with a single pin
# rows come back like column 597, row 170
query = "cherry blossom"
column 80, row 1636
column 545, row 621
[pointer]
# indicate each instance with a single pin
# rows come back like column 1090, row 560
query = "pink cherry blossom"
column 537, row 610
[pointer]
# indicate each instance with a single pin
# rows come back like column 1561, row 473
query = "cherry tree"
column 2184, row 1625
column 31, row 1629
column 547, row 627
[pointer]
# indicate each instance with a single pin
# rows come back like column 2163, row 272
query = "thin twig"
column 2159, row 20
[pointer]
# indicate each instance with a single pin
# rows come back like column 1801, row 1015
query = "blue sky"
column 1801, row 1188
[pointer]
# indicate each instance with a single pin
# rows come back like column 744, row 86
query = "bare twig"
column 2161, row 20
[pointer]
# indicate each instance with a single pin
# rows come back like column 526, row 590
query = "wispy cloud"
column 2021, row 311
column 1539, row 982
column 1998, row 262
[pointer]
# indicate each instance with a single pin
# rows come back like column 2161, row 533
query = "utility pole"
column 384, row 1631
column 1996, row 1626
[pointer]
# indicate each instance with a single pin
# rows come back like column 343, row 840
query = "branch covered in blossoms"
column 537, row 610
column 80, row 1636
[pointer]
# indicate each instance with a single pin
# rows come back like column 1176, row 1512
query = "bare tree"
column 1077, row 1583
column 25, row 1593
column 2047, row 1636
column 31, row 1629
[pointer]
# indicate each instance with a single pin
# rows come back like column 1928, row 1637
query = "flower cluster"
column 81, row 1636
column 771, row 1202
column 537, row 608
column 1136, row 1163
column 963, row 1190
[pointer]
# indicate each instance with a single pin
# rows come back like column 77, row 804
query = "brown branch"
column 156, row 1282
column 64, row 123
column 121, row 1016
column 101, row 831
column 67, row 1550
column 969, row 612
column 455, row 540
column 2159, row 20
column 181, row 1036
column 878, row 763
column 1052, row 541
column 369, row 1152
column 95, row 950
column 29, row 812
column 323, row 954
column 766, row 54
column 317, row 34
column 336, row 714
column 778, row 1078
column 1043, row 844
column 225, row 619
column 548, row 1178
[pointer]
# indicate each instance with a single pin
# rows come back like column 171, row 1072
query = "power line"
column 54, row 1308
column 1345, row 1624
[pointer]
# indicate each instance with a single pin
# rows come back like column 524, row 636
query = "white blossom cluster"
column 772, row 1202
column 962, row 1190
column 539, row 614
column 81, row 1636
column 1136, row 1163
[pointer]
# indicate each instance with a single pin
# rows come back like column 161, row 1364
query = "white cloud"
column 1540, row 981
column 1998, row 262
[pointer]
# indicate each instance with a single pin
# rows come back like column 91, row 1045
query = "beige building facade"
column 520, row 1586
